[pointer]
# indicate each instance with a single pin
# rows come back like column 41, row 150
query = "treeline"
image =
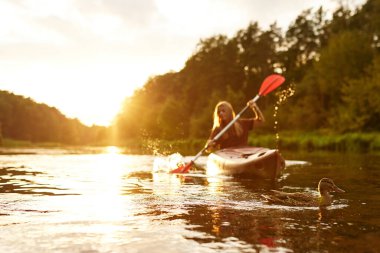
column 23, row 119
column 331, row 65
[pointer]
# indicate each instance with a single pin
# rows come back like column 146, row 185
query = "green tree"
column 360, row 107
column 302, row 43
column 347, row 56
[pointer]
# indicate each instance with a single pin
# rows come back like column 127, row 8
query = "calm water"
column 86, row 201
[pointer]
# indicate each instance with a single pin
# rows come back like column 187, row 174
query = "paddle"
column 269, row 84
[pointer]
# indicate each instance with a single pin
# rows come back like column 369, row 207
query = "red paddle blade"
column 183, row 168
column 270, row 83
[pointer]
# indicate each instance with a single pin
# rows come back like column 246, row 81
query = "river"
column 100, row 200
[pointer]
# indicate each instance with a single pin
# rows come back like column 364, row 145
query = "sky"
column 84, row 57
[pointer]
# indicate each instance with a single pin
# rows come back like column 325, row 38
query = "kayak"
column 254, row 162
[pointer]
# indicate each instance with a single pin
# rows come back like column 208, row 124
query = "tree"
column 360, row 106
column 347, row 56
column 302, row 43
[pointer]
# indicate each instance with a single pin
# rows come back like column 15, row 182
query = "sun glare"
column 107, row 175
column 113, row 150
column 92, row 93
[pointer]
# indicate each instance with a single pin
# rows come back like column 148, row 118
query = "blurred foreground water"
column 56, row 200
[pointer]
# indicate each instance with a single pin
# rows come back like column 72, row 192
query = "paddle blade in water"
column 270, row 83
column 184, row 168
column 169, row 163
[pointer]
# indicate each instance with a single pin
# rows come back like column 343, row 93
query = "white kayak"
column 254, row 162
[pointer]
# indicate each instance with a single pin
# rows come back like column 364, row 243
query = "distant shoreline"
column 297, row 141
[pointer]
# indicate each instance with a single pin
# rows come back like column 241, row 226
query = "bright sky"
column 85, row 57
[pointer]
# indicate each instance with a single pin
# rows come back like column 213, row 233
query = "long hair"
column 237, row 128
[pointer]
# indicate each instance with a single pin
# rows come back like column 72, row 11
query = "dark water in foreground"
column 60, row 201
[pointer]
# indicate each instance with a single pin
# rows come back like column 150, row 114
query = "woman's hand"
column 252, row 104
column 258, row 114
column 210, row 146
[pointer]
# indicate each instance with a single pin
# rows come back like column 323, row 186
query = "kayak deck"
column 246, row 162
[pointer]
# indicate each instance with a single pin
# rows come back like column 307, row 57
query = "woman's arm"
column 259, row 117
column 212, row 145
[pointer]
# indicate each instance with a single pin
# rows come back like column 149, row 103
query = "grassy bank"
column 11, row 143
column 355, row 142
column 362, row 142
column 358, row 142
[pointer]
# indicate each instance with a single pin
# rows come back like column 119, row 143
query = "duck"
column 325, row 186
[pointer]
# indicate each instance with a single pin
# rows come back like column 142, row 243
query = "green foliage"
column 288, row 140
column 25, row 120
column 291, row 140
column 346, row 56
column 331, row 64
column 302, row 43
column 360, row 107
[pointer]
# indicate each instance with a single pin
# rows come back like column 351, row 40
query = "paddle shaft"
column 234, row 120
column 225, row 129
column 270, row 83
column 263, row 92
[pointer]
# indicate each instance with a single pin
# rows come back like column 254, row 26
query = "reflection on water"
column 25, row 181
column 104, row 201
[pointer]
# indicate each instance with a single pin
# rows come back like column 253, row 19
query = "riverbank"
column 11, row 143
column 297, row 141
column 292, row 141
column 357, row 142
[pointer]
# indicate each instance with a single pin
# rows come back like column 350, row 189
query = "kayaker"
column 236, row 135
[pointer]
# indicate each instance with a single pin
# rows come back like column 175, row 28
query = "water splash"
column 169, row 163
column 282, row 95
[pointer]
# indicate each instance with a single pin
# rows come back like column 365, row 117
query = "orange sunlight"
column 84, row 58
column 108, row 202
column 101, row 96
column 93, row 94
column 113, row 150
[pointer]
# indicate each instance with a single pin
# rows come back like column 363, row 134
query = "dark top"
column 233, row 140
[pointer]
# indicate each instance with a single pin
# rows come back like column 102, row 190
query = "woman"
column 237, row 134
